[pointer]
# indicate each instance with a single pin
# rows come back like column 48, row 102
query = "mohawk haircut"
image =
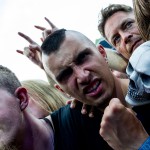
column 53, row 42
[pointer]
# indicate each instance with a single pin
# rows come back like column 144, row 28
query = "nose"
column 82, row 75
column 126, row 36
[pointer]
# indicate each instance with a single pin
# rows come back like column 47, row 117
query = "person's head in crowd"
column 138, row 65
column 80, row 69
column 13, row 101
column 43, row 98
column 142, row 15
column 117, row 24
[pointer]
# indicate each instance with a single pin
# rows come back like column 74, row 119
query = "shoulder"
column 67, row 115
column 76, row 131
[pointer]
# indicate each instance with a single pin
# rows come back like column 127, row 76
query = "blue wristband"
column 145, row 145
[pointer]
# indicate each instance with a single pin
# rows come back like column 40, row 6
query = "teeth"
column 94, row 87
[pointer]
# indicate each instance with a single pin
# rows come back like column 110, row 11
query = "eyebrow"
column 125, row 21
column 80, row 54
column 77, row 57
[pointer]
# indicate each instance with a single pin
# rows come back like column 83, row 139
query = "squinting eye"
column 82, row 58
column 128, row 25
column 65, row 75
column 116, row 40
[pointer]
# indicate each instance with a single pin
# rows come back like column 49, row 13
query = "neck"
column 120, row 90
column 37, row 135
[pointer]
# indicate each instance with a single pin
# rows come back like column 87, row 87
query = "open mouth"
column 94, row 88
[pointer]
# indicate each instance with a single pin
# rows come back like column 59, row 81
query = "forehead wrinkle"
column 69, row 50
column 68, row 59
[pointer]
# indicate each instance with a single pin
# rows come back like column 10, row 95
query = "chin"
column 102, row 105
column 105, row 102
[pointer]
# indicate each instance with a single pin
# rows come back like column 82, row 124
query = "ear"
column 21, row 94
column 102, row 50
column 58, row 88
column 61, row 90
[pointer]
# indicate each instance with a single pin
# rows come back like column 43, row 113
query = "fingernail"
column 91, row 115
column 83, row 111
column 72, row 105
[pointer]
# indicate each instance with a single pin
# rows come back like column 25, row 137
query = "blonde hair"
column 44, row 94
column 142, row 15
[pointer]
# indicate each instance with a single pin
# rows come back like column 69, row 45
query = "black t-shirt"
column 143, row 114
column 74, row 131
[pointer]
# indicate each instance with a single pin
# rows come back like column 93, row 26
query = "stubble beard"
column 8, row 147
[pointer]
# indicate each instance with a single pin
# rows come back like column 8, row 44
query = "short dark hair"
column 107, row 12
column 53, row 41
column 8, row 80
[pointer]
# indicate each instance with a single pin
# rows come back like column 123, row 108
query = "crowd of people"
column 104, row 111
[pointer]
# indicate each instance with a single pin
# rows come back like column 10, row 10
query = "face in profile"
column 81, row 70
column 10, row 119
column 122, row 32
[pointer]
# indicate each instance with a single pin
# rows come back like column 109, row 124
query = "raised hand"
column 47, row 32
column 86, row 109
column 33, row 51
column 120, row 128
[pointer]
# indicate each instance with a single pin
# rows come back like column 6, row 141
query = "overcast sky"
column 22, row 15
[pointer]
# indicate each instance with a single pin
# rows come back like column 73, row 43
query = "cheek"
column 99, row 66
column 9, row 111
column 10, row 120
column 135, row 29
column 71, row 88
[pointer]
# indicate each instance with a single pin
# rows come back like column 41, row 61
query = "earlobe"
column 21, row 94
column 102, row 50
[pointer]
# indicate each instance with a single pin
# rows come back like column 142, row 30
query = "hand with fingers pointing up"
column 33, row 51
column 47, row 32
